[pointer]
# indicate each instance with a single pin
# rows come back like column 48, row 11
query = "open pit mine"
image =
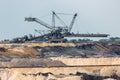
column 50, row 56
column 60, row 61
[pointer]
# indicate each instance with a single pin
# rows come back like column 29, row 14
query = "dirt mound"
column 56, row 51
column 23, row 55
column 82, row 76
column 84, row 50
column 51, row 76
column 32, row 62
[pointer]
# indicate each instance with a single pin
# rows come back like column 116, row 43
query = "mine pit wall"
column 92, row 66
column 43, row 44
column 16, row 73
column 114, row 61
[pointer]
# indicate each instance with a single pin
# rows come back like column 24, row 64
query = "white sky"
column 94, row 16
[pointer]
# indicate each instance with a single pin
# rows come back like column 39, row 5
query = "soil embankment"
column 60, row 61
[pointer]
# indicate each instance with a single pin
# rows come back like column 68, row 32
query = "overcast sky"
column 94, row 16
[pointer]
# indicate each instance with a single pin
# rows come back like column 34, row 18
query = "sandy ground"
column 60, row 61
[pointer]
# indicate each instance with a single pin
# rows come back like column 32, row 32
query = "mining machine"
column 57, row 33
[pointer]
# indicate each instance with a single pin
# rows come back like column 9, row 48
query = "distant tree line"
column 112, row 39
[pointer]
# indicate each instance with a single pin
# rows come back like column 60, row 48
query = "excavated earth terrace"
column 60, row 61
column 40, row 54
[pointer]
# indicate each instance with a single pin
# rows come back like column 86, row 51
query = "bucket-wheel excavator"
column 57, row 33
